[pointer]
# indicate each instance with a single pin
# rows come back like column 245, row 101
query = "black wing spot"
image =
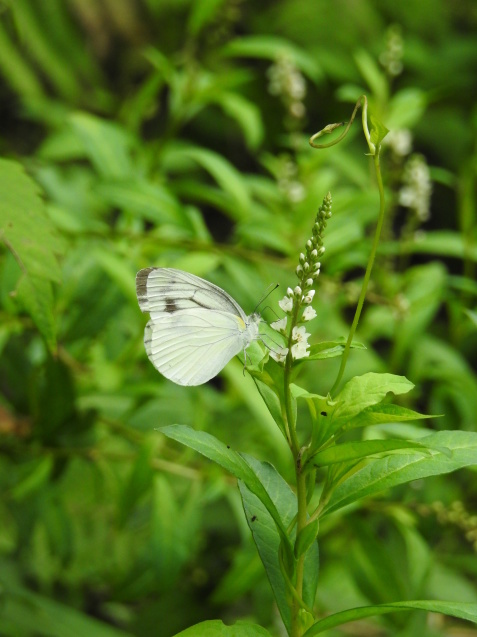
column 254, row 517
column 171, row 306
column 141, row 282
column 323, row 413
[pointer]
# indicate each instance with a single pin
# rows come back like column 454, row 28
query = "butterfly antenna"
column 268, row 346
column 268, row 291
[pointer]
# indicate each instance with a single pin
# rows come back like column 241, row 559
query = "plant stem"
column 296, row 627
column 367, row 274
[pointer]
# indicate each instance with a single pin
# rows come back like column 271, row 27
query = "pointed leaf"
column 233, row 462
column 25, row 228
column 383, row 413
column 362, row 391
column 461, row 610
column 105, row 144
column 329, row 349
column 399, row 469
column 362, row 449
column 267, row 538
column 216, row 628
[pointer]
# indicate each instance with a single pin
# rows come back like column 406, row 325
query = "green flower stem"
column 301, row 481
column 367, row 275
column 301, row 488
column 295, row 446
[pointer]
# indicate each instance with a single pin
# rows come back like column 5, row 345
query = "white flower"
column 308, row 298
column 300, row 350
column 281, row 325
column 300, row 335
column 308, row 314
column 400, row 141
column 279, row 354
column 286, row 304
column 417, row 187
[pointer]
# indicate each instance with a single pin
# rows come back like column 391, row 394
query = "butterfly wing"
column 191, row 346
column 166, row 290
column 195, row 326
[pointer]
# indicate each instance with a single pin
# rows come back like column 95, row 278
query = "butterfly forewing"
column 167, row 290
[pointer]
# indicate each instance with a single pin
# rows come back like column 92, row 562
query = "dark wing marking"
column 161, row 290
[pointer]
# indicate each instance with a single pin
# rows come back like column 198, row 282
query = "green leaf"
column 268, row 539
column 399, row 469
column 173, row 533
column 15, row 69
column 374, row 77
column 383, row 413
column 25, row 228
column 461, row 610
column 362, row 449
column 269, row 382
column 271, row 48
column 43, row 50
column 306, row 538
column 246, row 114
column 378, row 130
column 226, row 175
column 233, row 462
column 216, row 628
column 202, row 13
column 36, row 296
column 149, row 201
column 39, row 615
column 29, row 235
column 105, row 144
column 362, row 391
column 138, row 482
column 329, row 349
column 438, row 242
column 406, row 108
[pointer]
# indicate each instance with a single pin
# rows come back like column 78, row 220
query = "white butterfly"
column 195, row 326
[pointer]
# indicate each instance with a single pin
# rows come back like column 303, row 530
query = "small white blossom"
column 308, row 298
column 417, row 187
column 300, row 350
column 286, row 304
column 281, row 325
column 309, row 283
column 289, row 292
column 400, row 141
column 297, row 291
column 308, row 314
column 279, row 354
column 300, row 335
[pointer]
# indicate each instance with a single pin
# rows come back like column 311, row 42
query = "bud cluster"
column 307, row 271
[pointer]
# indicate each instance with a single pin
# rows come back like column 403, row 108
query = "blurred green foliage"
column 174, row 133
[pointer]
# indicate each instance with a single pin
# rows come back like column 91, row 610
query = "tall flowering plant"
column 330, row 471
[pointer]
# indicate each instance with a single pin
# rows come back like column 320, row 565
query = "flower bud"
column 299, row 271
column 302, row 258
column 297, row 291
column 309, row 283
column 306, row 266
column 309, row 245
column 289, row 292
column 314, row 254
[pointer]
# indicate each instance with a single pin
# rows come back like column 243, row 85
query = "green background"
column 139, row 133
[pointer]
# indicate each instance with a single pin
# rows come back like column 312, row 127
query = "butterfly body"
column 195, row 327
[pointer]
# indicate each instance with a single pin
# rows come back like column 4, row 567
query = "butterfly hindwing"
column 191, row 347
